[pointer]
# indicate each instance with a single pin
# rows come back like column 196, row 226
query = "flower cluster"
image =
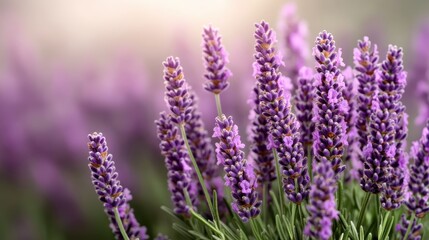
column 330, row 106
column 109, row 189
column 178, row 164
column 215, row 58
column 283, row 127
column 239, row 174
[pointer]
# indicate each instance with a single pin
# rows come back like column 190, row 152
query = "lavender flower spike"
column 304, row 105
column 418, row 183
column 215, row 58
column 330, row 109
column 283, row 127
column 177, row 163
column 322, row 202
column 239, row 174
column 177, row 95
column 416, row 229
column 379, row 152
column 366, row 64
column 109, row 189
column 391, row 85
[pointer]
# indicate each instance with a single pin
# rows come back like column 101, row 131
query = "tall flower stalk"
column 330, row 106
column 111, row 193
column 391, row 87
column 239, row 174
column 284, row 136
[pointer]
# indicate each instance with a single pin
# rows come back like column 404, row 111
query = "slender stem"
column 255, row 229
column 197, row 170
column 265, row 201
column 363, row 208
column 218, row 105
column 120, row 225
column 201, row 219
column 279, row 181
column 310, row 163
column 410, row 225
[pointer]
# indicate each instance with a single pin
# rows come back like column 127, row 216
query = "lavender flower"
column 366, row 64
column 283, row 127
column 178, row 164
column 322, row 202
column 379, row 152
column 202, row 150
column 391, row 86
column 304, row 106
column 261, row 155
column 108, row 187
column 402, row 227
column 239, row 175
column 294, row 36
column 177, row 95
column 330, row 135
column 418, row 183
column 215, row 58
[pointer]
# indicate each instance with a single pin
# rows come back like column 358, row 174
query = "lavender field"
column 279, row 119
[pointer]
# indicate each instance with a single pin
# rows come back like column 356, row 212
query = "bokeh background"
column 68, row 68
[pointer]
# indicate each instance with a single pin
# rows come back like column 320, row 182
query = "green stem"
column 199, row 175
column 265, row 201
column 120, row 225
column 310, row 163
column 201, row 219
column 255, row 229
column 410, row 224
column 279, row 181
column 218, row 105
column 363, row 208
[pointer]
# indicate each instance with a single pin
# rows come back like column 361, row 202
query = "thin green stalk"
column 279, row 181
column 255, row 229
column 364, row 205
column 218, row 105
column 265, row 201
column 120, row 225
column 377, row 210
column 340, row 195
column 310, row 162
column 410, row 224
column 203, row 220
column 199, row 175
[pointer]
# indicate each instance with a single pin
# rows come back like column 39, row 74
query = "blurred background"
column 68, row 68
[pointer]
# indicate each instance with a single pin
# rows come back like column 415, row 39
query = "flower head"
column 178, row 164
column 215, row 60
column 238, row 176
column 109, row 189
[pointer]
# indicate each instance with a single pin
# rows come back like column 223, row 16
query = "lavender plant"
column 286, row 140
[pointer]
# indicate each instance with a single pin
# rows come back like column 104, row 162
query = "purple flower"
column 418, row 183
column 330, row 107
column 283, row 126
column 391, row 87
column 366, row 64
column 376, row 155
column 177, row 94
column 304, row 106
column 322, row 207
column 294, row 41
column 201, row 148
column 239, row 176
column 178, row 164
column 402, row 227
column 109, row 189
column 261, row 154
column 215, row 58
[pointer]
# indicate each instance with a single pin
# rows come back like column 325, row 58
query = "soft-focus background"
column 68, row 68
